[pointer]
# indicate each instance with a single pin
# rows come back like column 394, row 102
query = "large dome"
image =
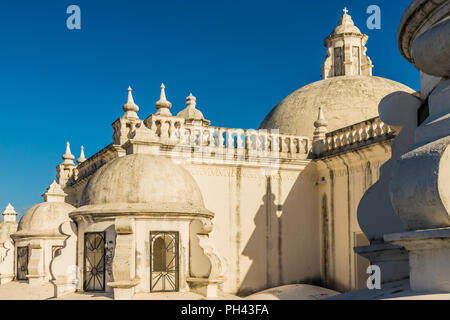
column 142, row 183
column 345, row 100
column 44, row 219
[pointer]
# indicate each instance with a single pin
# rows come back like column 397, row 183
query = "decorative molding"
column 420, row 13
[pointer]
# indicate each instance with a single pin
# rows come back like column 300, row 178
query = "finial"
column 191, row 114
column 9, row 215
column 9, row 209
column 54, row 193
column 191, row 101
column 346, row 24
column 65, row 169
column 321, row 121
column 162, row 104
column 319, row 136
column 162, row 96
column 82, row 157
column 130, row 107
column 68, row 157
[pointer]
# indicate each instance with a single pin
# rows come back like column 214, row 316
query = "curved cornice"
column 418, row 17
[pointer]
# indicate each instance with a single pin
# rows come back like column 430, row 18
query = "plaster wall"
column 142, row 249
column 343, row 179
column 265, row 224
column 47, row 253
column 294, row 223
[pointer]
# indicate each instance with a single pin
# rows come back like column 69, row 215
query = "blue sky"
column 238, row 57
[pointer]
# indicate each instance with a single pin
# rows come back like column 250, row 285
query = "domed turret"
column 45, row 218
column 142, row 183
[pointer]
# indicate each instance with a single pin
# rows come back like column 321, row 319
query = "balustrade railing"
column 214, row 143
column 255, row 142
column 365, row 132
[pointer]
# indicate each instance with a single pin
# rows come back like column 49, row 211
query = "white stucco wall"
column 266, row 231
column 344, row 180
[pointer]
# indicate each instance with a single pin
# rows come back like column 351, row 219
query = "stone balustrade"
column 263, row 143
column 357, row 135
column 213, row 144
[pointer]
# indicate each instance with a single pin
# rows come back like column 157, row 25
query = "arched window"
column 164, row 261
column 159, row 255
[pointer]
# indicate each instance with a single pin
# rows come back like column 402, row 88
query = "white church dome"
column 345, row 100
column 142, row 183
column 44, row 219
column 348, row 93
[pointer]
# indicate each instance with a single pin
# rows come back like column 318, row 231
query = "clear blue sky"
column 239, row 57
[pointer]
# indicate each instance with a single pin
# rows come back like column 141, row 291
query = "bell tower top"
column 346, row 51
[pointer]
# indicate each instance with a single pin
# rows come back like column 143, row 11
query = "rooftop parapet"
column 357, row 136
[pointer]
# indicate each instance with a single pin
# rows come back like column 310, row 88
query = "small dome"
column 44, row 219
column 142, row 183
column 191, row 114
column 345, row 100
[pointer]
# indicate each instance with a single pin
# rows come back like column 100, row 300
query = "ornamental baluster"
column 229, row 137
column 284, row 144
column 239, row 140
column 292, row 147
column 378, row 130
column 221, row 139
column 264, row 142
